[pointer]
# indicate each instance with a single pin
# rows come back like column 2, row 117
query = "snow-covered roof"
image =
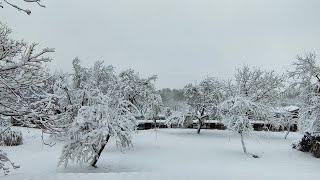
column 291, row 108
column 195, row 121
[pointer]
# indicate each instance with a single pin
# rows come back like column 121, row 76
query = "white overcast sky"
column 179, row 40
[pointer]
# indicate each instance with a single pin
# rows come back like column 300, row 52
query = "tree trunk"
column 243, row 144
column 96, row 158
column 199, row 126
column 155, row 123
column 288, row 131
column 200, row 121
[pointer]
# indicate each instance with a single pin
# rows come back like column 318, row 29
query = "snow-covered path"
column 173, row 154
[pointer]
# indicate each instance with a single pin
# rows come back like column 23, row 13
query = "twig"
column 18, row 8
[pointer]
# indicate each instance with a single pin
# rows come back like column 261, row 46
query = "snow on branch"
column 95, row 123
column 258, row 84
column 19, row 8
column 22, row 70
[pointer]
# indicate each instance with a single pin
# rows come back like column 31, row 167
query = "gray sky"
column 179, row 40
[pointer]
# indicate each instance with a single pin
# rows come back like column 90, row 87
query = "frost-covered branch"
column 101, row 119
column 306, row 79
column 258, row 84
column 18, row 7
column 21, row 69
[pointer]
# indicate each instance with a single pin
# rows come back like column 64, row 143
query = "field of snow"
column 172, row 154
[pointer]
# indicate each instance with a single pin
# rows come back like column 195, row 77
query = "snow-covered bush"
column 309, row 143
column 10, row 137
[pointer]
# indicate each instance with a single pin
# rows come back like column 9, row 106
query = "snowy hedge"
column 11, row 137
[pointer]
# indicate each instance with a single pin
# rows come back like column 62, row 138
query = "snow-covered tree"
column 21, row 75
column 176, row 107
column 255, row 90
column 237, row 113
column 92, row 105
column 257, row 84
column 65, row 94
column 284, row 118
column 154, row 107
column 306, row 77
column 17, row 5
column 21, row 72
column 103, row 117
column 179, row 119
column 203, row 99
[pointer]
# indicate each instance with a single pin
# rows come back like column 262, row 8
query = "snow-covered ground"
column 172, row 154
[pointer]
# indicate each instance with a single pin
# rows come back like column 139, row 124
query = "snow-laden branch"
column 19, row 8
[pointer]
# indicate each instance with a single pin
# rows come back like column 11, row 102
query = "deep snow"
column 172, row 154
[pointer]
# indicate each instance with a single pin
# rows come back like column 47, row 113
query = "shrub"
column 309, row 143
column 11, row 137
column 315, row 150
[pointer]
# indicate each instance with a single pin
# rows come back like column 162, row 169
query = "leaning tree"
column 104, row 116
column 87, row 108
column 96, row 104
